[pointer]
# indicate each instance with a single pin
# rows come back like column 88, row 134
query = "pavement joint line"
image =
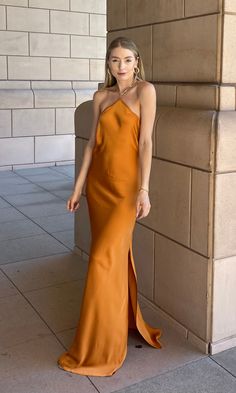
column 28, row 301
column 210, row 356
column 31, row 219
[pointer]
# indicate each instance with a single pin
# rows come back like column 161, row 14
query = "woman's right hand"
column 73, row 202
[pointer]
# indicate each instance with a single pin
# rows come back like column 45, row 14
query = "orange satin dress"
column 109, row 305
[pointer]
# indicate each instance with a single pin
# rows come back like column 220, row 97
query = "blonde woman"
column 116, row 167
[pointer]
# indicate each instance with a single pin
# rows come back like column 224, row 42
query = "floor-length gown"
column 109, row 305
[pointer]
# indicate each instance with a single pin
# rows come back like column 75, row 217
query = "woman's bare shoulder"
column 145, row 88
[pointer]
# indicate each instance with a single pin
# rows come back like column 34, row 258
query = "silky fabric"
column 109, row 304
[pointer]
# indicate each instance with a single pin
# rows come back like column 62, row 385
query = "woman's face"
column 122, row 63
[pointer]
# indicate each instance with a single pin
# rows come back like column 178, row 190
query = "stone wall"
column 185, row 250
column 51, row 59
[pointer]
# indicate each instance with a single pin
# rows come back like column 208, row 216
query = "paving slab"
column 4, row 203
column 58, row 223
column 68, row 170
column 31, row 367
column 203, row 376
column 46, row 271
column 45, row 177
column 20, row 322
column 51, row 208
column 59, row 305
column 66, row 237
column 37, row 199
column 17, row 229
column 6, row 286
column 227, row 359
column 10, row 214
column 29, row 247
column 11, row 189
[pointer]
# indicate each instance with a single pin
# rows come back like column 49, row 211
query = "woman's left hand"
column 143, row 204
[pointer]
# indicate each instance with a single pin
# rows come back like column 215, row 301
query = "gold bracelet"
column 145, row 189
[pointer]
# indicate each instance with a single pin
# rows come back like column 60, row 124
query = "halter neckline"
column 127, row 106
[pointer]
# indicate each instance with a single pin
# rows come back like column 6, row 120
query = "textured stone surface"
column 224, row 291
column 170, row 198
column 201, row 222
column 229, row 50
column 28, row 67
column 28, row 122
column 5, row 123
column 226, row 142
column 225, row 215
column 69, row 22
column 181, row 288
column 185, row 136
column 17, row 150
column 153, row 11
column 13, row 43
column 27, row 19
column 201, row 7
column 53, row 148
column 190, row 52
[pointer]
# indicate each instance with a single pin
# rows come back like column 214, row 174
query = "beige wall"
column 51, row 59
column 185, row 250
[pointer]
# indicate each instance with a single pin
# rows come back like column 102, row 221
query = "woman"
column 116, row 166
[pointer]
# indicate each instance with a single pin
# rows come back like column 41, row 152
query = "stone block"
column 142, row 36
column 2, row 18
column 153, row 11
column 87, row 47
column 84, row 85
column 28, row 67
column 54, row 148
column 70, row 69
column 19, row 3
column 55, row 45
column 27, row 19
column 226, row 142
column 83, row 95
column 190, row 52
column 224, row 293
column 5, row 123
column 28, row 122
column 84, row 119
column 65, row 120
column 143, row 250
column 170, row 186
column 201, row 7
column 166, row 95
column 229, row 49
column 92, row 6
column 3, row 67
column 201, row 212
column 182, row 287
column 82, row 226
column 53, row 4
column 52, row 85
column 199, row 97
column 16, row 98
column 186, row 136
column 229, row 6
column 53, row 98
column 16, row 151
column 225, row 216
column 227, row 98
column 98, row 25
column 12, row 85
column 116, row 14
column 13, row 43
column 66, row 22
column 97, row 69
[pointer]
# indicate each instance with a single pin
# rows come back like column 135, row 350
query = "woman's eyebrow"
column 118, row 57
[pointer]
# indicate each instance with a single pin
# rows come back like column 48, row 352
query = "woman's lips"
column 121, row 73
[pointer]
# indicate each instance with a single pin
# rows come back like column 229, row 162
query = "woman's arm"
column 73, row 201
column 148, row 112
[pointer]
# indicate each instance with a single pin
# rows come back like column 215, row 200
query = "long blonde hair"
column 126, row 43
